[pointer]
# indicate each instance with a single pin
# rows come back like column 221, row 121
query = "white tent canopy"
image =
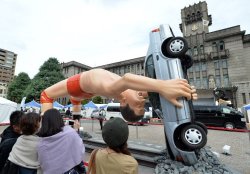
column 6, row 108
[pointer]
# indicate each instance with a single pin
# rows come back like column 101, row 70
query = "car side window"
column 226, row 110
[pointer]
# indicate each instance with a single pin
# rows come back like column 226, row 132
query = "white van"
column 113, row 110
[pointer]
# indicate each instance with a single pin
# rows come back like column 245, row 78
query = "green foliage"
column 97, row 100
column 17, row 87
column 85, row 101
column 49, row 73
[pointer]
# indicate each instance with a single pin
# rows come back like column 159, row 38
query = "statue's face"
column 135, row 100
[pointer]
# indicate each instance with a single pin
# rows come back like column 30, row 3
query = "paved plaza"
column 153, row 136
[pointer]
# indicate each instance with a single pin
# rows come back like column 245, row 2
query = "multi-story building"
column 7, row 70
column 135, row 66
column 220, row 58
column 71, row 68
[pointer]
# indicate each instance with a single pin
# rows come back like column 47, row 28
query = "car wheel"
column 193, row 136
column 202, row 126
column 176, row 47
column 229, row 125
column 187, row 61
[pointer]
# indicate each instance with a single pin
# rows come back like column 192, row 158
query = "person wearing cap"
column 130, row 90
column 115, row 158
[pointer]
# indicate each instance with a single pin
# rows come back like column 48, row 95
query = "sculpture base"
column 208, row 162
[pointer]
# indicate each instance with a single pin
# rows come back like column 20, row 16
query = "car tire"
column 176, row 47
column 187, row 61
column 203, row 126
column 229, row 125
column 193, row 136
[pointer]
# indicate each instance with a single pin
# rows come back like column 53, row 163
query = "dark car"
column 221, row 116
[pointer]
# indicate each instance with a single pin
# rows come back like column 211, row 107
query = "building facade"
column 7, row 70
column 221, row 58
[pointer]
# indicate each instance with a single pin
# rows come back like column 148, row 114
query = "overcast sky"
column 97, row 32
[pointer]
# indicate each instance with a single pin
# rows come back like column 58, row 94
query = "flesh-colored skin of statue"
column 128, row 89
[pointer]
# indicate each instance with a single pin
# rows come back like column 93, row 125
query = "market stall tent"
column 6, row 108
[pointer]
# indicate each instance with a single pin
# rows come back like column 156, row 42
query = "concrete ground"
column 153, row 136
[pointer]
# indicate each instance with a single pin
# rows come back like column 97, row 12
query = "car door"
column 202, row 114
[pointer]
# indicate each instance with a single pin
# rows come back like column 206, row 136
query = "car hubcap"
column 176, row 45
column 229, row 126
column 193, row 136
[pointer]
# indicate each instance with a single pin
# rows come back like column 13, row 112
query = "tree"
column 85, row 101
column 49, row 73
column 97, row 100
column 17, row 87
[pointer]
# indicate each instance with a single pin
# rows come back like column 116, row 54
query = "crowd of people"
column 31, row 145
column 42, row 143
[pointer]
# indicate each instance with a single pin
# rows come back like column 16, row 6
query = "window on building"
column 197, row 74
column 205, row 82
column 197, row 67
column 244, row 98
column 214, row 47
column 199, row 16
column 217, row 72
column 198, row 82
column 195, row 51
column 203, row 66
column 204, row 73
column 132, row 68
column 201, row 49
column 226, row 80
column 224, row 71
column 119, row 70
column 216, row 65
column 193, row 16
column 1, row 91
column 224, row 63
column 190, row 51
column 217, row 81
column 128, row 68
column 138, row 66
column 221, row 46
column 191, row 81
column 190, row 75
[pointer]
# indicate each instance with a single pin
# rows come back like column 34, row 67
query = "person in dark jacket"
column 24, row 152
column 12, row 131
column 9, row 137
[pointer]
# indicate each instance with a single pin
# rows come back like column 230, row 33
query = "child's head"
column 30, row 123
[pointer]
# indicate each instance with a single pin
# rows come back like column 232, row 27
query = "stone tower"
column 195, row 19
